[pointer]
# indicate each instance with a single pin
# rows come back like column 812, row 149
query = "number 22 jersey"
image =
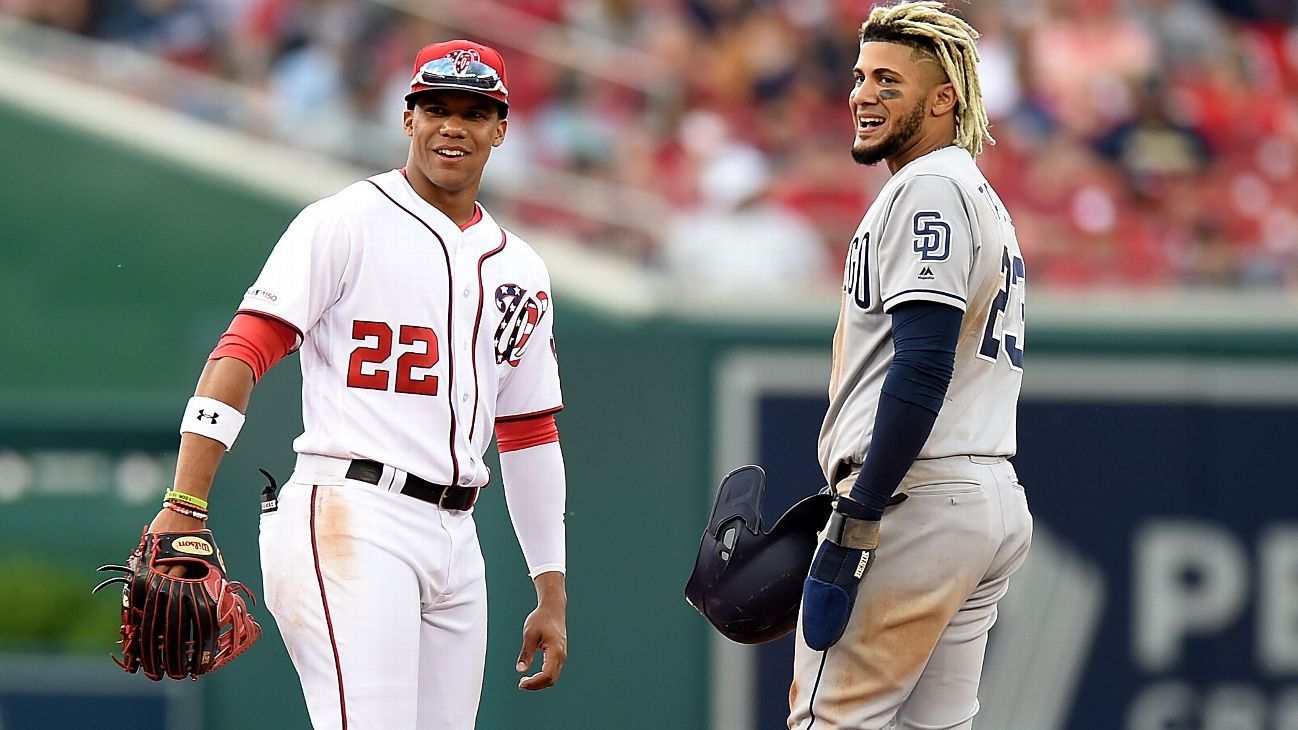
column 416, row 336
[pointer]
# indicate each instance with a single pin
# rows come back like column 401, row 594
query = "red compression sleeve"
column 258, row 341
column 526, row 433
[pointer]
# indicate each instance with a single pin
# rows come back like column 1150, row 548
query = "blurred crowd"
column 1139, row 142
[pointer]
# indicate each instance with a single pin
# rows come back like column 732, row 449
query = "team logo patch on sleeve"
column 932, row 236
column 521, row 314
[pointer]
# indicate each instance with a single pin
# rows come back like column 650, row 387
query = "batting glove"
column 841, row 562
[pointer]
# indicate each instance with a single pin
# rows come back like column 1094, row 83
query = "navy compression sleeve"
column 924, row 337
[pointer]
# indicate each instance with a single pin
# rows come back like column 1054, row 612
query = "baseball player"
column 930, row 520
column 424, row 328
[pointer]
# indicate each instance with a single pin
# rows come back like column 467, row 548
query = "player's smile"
column 451, row 153
column 868, row 124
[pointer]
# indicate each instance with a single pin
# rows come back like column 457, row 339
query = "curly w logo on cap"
column 462, row 65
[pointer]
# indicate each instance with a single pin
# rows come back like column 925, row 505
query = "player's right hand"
column 545, row 630
column 829, row 592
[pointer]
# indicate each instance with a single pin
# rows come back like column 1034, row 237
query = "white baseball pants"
column 381, row 601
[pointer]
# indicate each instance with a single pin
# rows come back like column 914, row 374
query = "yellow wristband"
column 186, row 498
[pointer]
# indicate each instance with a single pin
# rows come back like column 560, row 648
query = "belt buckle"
column 460, row 506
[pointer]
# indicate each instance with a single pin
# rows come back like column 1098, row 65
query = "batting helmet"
column 748, row 583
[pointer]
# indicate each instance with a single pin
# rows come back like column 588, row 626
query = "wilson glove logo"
column 192, row 546
column 522, row 313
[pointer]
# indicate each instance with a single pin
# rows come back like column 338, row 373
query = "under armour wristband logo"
column 211, row 418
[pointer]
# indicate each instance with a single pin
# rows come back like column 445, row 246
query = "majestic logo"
column 193, row 546
column 463, row 58
column 926, row 273
column 522, row 313
column 209, row 416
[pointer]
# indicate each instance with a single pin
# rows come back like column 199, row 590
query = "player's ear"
column 499, row 137
column 942, row 100
column 408, row 122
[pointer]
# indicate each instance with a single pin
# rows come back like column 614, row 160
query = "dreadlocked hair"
column 926, row 26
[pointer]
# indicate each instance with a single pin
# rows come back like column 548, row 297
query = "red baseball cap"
column 462, row 65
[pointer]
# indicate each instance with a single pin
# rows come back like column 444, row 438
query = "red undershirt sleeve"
column 525, row 433
column 258, row 341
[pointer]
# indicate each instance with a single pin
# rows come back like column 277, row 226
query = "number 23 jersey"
column 936, row 232
column 415, row 336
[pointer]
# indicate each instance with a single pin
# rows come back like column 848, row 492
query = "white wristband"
column 212, row 418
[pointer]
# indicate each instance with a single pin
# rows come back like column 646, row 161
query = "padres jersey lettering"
column 937, row 232
column 421, row 331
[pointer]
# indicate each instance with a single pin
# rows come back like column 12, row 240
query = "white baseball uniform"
column 913, row 648
column 416, row 337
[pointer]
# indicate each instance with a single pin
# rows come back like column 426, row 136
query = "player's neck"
column 458, row 205
column 923, row 145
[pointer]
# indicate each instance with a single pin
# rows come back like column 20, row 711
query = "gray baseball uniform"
column 912, row 651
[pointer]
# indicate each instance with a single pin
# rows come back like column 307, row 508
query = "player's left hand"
column 842, row 560
column 546, row 629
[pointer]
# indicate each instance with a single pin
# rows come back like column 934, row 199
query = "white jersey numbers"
column 1004, row 327
column 856, row 272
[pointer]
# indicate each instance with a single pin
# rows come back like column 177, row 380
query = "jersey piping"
column 816, row 688
column 477, row 320
column 450, row 331
column 533, row 414
column 937, row 292
column 324, row 602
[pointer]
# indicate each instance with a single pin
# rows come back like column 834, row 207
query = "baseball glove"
column 180, row 626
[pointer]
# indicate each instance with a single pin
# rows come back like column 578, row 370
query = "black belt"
column 452, row 498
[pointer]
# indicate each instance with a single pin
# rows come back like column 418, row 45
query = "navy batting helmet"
column 746, row 582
